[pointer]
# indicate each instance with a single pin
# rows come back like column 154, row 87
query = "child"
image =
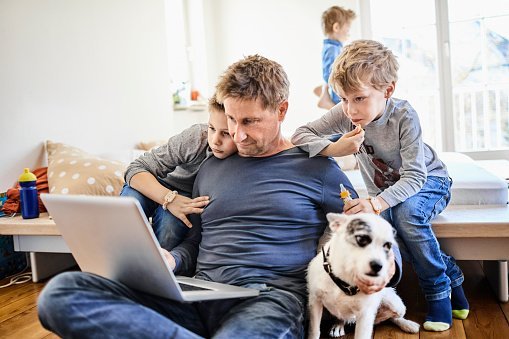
column 405, row 179
column 336, row 23
column 162, row 179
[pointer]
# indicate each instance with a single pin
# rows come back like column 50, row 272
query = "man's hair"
column 214, row 105
column 363, row 62
column 336, row 14
column 254, row 77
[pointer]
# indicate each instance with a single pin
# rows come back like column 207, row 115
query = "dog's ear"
column 336, row 220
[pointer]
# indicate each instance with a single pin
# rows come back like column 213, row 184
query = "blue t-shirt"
column 331, row 49
column 264, row 218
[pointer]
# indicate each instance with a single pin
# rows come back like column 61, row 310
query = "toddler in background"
column 336, row 23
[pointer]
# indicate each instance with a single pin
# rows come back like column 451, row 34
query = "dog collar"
column 349, row 290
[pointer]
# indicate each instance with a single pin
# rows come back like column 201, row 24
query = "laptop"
column 111, row 237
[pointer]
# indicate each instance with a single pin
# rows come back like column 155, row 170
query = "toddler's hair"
column 363, row 62
column 336, row 14
column 215, row 106
column 254, row 77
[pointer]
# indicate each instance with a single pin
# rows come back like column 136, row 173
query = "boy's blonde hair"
column 364, row 62
column 254, row 77
column 214, row 105
column 336, row 14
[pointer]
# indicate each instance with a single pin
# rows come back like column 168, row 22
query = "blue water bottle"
column 28, row 195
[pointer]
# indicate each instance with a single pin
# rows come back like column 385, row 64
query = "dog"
column 359, row 246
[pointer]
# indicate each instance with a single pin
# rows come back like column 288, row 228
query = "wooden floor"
column 487, row 319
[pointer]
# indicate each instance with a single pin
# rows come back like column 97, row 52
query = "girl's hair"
column 336, row 14
column 254, row 77
column 363, row 62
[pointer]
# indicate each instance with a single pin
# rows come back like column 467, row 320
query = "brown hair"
column 215, row 106
column 336, row 14
column 364, row 62
column 254, row 77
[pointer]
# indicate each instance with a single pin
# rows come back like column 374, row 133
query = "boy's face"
column 366, row 104
column 255, row 130
column 218, row 137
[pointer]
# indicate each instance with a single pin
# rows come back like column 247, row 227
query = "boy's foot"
column 459, row 303
column 439, row 317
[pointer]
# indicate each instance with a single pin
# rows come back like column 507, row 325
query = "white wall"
column 287, row 31
column 91, row 73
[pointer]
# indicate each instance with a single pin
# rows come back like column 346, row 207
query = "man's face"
column 255, row 130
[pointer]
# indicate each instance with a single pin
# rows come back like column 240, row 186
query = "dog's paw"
column 406, row 325
column 337, row 331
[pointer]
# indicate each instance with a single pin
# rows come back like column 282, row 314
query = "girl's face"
column 218, row 137
column 366, row 104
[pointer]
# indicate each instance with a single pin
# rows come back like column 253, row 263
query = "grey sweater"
column 175, row 163
column 393, row 160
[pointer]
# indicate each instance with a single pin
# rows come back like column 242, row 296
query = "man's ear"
column 389, row 90
column 282, row 109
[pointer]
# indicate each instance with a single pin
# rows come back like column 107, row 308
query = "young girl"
column 162, row 179
column 407, row 183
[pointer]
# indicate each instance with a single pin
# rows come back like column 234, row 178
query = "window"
column 460, row 89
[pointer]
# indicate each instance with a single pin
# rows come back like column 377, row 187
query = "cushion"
column 74, row 171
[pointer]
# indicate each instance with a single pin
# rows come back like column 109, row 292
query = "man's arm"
column 186, row 254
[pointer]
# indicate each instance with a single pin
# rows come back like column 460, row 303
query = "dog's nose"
column 375, row 266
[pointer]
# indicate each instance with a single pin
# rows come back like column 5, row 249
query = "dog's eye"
column 387, row 246
column 363, row 240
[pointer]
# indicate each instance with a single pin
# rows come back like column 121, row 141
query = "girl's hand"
column 182, row 206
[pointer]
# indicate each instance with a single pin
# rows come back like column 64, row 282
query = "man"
column 260, row 229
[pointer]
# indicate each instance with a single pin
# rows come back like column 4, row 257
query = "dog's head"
column 362, row 241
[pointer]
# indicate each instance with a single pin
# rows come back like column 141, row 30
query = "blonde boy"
column 406, row 181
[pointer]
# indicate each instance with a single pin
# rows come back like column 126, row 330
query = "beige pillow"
column 73, row 171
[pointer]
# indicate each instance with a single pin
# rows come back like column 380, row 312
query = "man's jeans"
column 169, row 230
column 83, row 305
column 437, row 272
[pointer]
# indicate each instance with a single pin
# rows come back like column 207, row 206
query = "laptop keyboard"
column 186, row 287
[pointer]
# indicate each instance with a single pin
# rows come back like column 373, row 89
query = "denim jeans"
column 437, row 272
column 169, row 230
column 83, row 305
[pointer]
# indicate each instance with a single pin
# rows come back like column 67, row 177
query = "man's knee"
column 50, row 303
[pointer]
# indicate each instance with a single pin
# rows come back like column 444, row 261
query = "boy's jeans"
column 83, row 305
column 169, row 230
column 437, row 272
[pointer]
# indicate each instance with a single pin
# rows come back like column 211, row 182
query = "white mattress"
column 472, row 184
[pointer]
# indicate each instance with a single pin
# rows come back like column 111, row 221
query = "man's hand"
column 169, row 258
column 182, row 206
column 369, row 285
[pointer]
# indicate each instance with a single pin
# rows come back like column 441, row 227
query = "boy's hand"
column 182, row 206
column 169, row 258
column 371, row 285
column 349, row 143
column 358, row 206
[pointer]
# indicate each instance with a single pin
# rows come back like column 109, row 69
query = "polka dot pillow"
column 73, row 171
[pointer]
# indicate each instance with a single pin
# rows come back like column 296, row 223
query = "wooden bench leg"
column 498, row 276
